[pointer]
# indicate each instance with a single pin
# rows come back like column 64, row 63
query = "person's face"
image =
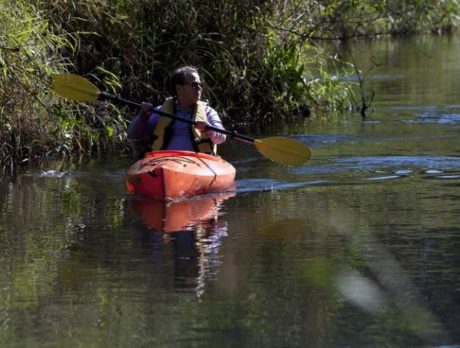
column 190, row 92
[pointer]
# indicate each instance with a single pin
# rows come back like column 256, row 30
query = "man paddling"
column 149, row 131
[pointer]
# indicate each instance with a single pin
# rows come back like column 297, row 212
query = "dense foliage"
column 33, row 120
column 263, row 61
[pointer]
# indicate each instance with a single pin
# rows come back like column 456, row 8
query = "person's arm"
column 141, row 126
column 213, row 120
column 140, row 130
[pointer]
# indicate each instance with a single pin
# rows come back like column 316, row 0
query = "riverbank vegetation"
column 264, row 62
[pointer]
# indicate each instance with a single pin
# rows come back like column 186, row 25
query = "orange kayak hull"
column 174, row 175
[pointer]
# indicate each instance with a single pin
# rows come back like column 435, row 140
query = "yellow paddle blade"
column 283, row 150
column 75, row 87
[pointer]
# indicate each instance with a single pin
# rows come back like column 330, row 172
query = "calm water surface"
column 358, row 248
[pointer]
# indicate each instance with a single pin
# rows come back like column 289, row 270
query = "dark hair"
column 181, row 76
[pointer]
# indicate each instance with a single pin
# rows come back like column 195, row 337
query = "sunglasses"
column 195, row 85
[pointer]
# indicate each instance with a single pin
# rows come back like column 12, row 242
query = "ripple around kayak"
column 261, row 185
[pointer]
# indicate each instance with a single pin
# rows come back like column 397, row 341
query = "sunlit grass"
column 261, row 61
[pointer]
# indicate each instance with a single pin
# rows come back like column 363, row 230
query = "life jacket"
column 163, row 130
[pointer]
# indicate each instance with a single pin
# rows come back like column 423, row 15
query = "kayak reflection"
column 179, row 216
column 189, row 231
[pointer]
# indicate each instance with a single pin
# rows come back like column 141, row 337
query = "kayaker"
column 149, row 131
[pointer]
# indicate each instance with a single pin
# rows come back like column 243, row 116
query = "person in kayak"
column 149, row 131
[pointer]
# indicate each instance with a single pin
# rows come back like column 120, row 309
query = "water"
column 359, row 247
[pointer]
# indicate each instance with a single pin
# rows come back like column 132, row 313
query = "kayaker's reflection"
column 191, row 229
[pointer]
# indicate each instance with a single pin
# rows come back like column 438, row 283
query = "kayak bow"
column 174, row 175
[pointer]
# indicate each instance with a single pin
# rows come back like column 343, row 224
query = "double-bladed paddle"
column 279, row 149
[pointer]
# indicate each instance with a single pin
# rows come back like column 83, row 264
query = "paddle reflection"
column 190, row 230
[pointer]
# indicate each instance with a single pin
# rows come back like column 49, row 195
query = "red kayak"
column 174, row 175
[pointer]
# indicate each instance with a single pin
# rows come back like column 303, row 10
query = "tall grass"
column 260, row 60
column 33, row 120
column 27, row 57
column 253, row 74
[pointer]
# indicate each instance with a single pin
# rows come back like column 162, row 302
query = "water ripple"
column 428, row 118
column 263, row 184
column 323, row 139
column 381, row 168
column 428, row 162
column 54, row 174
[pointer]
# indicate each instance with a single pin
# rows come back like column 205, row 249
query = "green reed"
column 263, row 62
column 26, row 60
column 33, row 120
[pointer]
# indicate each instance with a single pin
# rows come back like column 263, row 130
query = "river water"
column 357, row 248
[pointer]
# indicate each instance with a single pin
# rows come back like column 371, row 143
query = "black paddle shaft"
column 233, row 134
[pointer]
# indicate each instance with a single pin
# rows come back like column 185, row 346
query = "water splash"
column 54, row 174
